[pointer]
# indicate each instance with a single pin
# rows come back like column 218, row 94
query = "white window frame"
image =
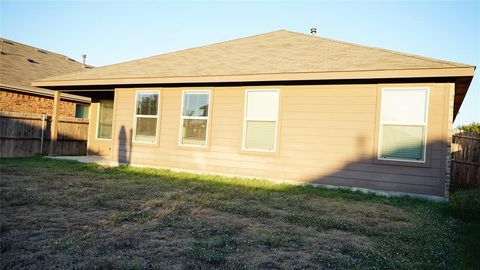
column 98, row 121
column 136, row 116
column 245, row 119
column 180, row 132
column 424, row 124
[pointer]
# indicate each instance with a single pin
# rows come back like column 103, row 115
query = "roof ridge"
column 38, row 49
column 457, row 64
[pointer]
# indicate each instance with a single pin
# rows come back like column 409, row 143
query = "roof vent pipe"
column 313, row 31
column 84, row 58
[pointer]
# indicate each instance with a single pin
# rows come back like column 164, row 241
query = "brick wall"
column 24, row 103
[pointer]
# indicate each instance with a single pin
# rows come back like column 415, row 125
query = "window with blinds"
column 261, row 120
column 403, row 124
column 194, row 118
column 146, row 116
column 104, row 120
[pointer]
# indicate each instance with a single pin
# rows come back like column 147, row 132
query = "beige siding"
column 327, row 134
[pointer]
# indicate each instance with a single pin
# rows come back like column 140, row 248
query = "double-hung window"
column 194, row 118
column 403, row 124
column 105, row 119
column 260, row 120
column 146, row 116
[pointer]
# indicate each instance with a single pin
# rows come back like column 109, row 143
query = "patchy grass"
column 64, row 214
column 465, row 205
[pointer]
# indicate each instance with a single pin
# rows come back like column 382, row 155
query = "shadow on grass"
column 211, row 181
column 280, row 213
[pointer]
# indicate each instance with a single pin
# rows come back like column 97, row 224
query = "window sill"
column 258, row 152
column 146, row 144
column 402, row 163
column 193, row 147
column 100, row 139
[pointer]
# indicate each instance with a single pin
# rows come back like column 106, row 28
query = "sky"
column 116, row 31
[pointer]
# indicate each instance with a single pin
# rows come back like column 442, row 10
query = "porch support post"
column 54, row 124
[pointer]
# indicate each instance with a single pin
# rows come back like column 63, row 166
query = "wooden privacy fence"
column 466, row 160
column 25, row 134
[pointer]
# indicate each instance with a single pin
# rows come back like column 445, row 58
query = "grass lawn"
column 64, row 214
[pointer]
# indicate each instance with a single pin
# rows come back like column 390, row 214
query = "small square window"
column 81, row 111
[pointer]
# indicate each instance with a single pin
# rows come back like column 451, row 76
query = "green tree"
column 473, row 127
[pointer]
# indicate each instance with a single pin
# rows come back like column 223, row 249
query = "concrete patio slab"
column 87, row 159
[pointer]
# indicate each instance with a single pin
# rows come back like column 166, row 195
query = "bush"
column 473, row 127
column 465, row 204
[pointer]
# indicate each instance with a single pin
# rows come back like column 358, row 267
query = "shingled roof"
column 279, row 52
column 271, row 57
column 21, row 64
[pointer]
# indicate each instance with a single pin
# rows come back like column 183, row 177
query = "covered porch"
column 100, row 129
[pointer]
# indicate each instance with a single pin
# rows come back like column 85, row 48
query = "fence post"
column 43, row 131
column 20, row 135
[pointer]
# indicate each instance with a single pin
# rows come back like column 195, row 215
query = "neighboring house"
column 20, row 65
column 280, row 105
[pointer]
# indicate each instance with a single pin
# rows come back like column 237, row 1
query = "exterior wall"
column 101, row 147
column 327, row 135
column 450, row 100
column 24, row 103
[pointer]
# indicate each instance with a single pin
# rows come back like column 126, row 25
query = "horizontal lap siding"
column 326, row 135
column 323, row 147
column 310, row 139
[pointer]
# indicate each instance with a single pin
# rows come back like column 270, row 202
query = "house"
column 20, row 65
column 280, row 105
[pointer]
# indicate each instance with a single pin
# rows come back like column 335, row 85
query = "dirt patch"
column 57, row 214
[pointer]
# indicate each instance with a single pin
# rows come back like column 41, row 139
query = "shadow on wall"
column 359, row 169
column 124, row 146
column 369, row 172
